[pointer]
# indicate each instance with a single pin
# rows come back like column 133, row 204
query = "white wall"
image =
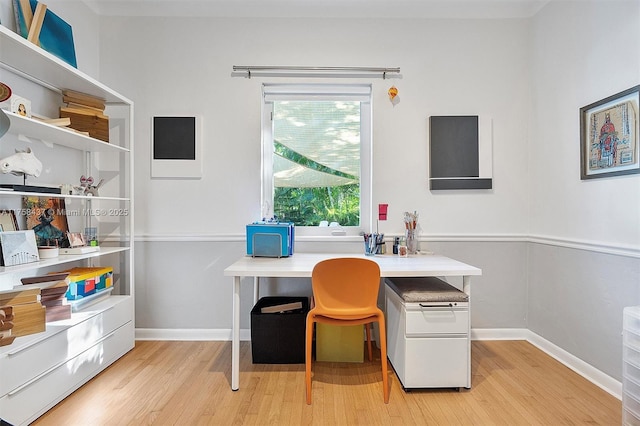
column 581, row 52
column 184, row 65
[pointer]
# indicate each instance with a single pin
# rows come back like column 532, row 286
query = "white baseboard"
column 223, row 335
column 499, row 334
column 595, row 376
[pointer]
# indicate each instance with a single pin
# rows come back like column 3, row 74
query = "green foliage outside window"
column 310, row 206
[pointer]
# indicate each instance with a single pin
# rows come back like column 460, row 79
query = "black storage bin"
column 278, row 338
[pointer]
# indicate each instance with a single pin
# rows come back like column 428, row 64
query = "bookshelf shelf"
column 60, row 260
column 62, row 136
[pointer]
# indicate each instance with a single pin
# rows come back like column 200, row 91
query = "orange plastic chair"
column 345, row 292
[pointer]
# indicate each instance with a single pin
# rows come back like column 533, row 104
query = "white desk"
column 301, row 265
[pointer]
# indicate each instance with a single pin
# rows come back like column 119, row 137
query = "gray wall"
column 575, row 300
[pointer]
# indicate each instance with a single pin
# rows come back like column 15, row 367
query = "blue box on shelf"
column 270, row 239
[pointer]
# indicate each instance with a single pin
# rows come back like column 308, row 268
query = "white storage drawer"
column 631, row 320
column 66, row 339
column 631, row 404
column 631, row 339
column 629, row 419
column 24, row 404
column 631, row 388
column 438, row 362
column 435, row 319
column 631, row 355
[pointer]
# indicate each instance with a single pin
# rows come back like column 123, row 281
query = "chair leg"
column 383, row 359
column 307, row 361
column 368, row 329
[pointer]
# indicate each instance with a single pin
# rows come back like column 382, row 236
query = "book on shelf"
column 53, row 289
column 53, row 300
column 71, row 96
column 96, row 124
column 19, row 297
column 58, row 122
column 71, row 103
column 45, row 280
column 57, row 313
column 87, row 114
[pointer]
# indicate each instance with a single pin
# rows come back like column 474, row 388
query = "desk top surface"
column 301, row 265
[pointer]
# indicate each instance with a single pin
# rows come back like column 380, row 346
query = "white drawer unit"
column 39, row 370
column 428, row 333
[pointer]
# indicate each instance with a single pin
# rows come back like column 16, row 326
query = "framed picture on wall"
column 176, row 147
column 609, row 130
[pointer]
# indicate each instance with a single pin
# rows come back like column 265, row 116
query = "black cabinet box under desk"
column 278, row 338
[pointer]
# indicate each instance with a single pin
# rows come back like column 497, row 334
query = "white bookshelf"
column 39, row 370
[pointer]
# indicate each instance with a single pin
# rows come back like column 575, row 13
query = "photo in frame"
column 76, row 239
column 18, row 247
column 609, row 136
column 8, row 221
column 47, row 218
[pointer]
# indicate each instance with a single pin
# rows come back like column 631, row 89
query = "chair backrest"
column 345, row 286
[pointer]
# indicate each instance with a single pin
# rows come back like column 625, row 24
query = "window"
column 316, row 156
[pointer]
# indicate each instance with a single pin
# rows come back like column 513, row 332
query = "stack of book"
column 53, row 299
column 52, row 294
column 86, row 113
column 25, row 310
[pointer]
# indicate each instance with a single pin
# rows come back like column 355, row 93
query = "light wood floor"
column 185, row 383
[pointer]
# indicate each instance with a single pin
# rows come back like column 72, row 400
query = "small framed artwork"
column 18, row 247
column 609, row 142
column 21, row 106
column 76, row 239
column 48, row 219
column 176, row 149
column 8, row 221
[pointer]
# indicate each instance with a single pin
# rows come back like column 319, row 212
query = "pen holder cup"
column 411, row 241
column 371, row 244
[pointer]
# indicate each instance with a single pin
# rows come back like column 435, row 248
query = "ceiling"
column 389, row 9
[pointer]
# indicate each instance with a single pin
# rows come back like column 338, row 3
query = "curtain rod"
column 321, row 70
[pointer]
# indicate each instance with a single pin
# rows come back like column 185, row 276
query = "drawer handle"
column 58, row 365
column 451, row 305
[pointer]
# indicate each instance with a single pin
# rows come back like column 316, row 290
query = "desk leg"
column 256, row 290
column 235, row 336
column 466, row 288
